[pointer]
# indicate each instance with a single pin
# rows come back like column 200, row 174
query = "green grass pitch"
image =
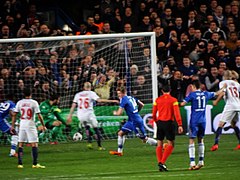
column 75, row 161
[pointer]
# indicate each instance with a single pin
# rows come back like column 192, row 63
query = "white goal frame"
column 119, row 35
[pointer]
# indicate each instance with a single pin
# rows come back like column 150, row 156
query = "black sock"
column 236, row 129
column 20, row 155
column 227, row 128
column 218, row 133
column 98, row 136
column 34, row 155
column 88, row 134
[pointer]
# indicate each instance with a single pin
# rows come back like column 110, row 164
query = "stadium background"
column 78, row 11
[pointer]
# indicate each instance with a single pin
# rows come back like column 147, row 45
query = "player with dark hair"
column 197, row 125
column 167, row 108
column 6, row 111
column 132, row 107
column 52, row 118
column 27, row 108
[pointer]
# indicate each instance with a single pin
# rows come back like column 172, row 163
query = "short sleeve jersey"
column 130, row 105
column 231, row 94
column 85, row 101
column 199, row 101
column 27, row 109
column 5, row 107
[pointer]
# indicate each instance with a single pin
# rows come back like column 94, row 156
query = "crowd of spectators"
column 194, row 40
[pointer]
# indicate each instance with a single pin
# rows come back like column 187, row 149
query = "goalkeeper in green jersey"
column 52, row 118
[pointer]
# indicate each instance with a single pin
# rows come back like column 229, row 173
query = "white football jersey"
column 232, row 99
column 27, row 109
column 84, row 101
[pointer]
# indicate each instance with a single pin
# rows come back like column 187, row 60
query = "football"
column 77, row 136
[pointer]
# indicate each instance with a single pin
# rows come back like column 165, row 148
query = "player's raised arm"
column 220, row 93
column 107, row 101
column 219, row 97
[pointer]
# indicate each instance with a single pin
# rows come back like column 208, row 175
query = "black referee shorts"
column 165, row 129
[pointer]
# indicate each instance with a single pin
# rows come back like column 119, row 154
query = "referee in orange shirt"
column 167, row 109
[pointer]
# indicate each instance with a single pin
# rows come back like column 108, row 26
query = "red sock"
column 159, row 153
column 167, row 152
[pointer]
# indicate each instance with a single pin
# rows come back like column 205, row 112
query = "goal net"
column 62, row 64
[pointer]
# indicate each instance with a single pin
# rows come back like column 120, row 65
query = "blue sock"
column 20, row 155
column 35, row 155
column 14, row 147
column 218, row 133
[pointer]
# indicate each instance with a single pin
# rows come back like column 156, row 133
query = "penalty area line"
column 115, row 175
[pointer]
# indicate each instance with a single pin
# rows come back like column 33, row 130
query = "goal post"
column 63, row 63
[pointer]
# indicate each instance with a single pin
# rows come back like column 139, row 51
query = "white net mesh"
column 62, row 64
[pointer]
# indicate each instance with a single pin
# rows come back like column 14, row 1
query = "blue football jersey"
column 130, row 105
column 5, row 107
column 198, row 101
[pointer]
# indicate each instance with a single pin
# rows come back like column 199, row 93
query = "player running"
column 6, row 108
column 132, row 107
column 27, row 108
column 232, row 106
column 84, row 101
column 197, row 123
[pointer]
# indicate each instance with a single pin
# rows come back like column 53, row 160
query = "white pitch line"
column 128, row 175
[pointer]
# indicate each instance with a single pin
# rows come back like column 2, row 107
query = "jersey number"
column 26, row 113
column 234, row 91
column 201, row 102
column 83, row 102
column 4, row 106
column 134, row 104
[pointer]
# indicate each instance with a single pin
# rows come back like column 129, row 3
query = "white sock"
column 201, row 149
column 121, row 141
column 14, row 143
column 14, row 140
column 12, row 151
column 191, row 151
column 151, row 141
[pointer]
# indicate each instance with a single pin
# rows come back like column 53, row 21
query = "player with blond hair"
column 231, row 109
column 84, row 101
